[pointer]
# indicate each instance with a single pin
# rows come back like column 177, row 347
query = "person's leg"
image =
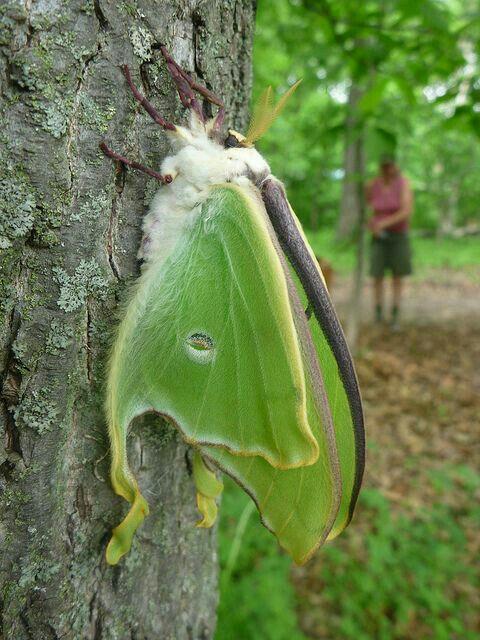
column 401, row 267
column 377, row 269
column 397, row 284
column 378, row 291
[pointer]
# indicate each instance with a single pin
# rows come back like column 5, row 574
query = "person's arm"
column 403, row 213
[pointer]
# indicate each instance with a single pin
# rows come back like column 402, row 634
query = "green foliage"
column 257, row 601
column 407, row 572
column 410, row 65
column 446, row 252
column 399, row 573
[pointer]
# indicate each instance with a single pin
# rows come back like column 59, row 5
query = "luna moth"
column 231, row 337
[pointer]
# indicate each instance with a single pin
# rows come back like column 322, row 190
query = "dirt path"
column 439, row 296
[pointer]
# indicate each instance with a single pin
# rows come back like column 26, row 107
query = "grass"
column 428, row 253
column 405, row 577
column 257, row 600
column 390, row 576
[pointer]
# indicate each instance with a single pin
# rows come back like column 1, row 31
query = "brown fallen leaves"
column 421, row 390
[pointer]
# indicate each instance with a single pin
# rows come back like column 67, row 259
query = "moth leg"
column 149, row 108
column 125, row 485
column 185, row 92
column 208, row 488
column 218, row 120
column 135, row 165
column 186, row 86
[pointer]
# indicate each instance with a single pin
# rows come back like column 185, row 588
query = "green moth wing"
column 306, row 506
column 298, row 505
column 208, row 341
column 216, row 339
column 331, row 347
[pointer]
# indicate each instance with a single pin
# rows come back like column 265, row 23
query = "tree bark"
column 448, row 207
column 355, row 302
column 69, row 231
column 351, row 204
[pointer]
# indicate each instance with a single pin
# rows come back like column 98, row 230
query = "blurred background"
column 397, row 77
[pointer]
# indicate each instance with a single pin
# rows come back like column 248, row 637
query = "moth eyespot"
column 200, row 347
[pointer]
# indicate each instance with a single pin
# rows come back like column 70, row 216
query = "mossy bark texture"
column 69, row 230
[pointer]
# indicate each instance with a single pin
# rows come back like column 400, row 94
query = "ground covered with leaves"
column 407, row 567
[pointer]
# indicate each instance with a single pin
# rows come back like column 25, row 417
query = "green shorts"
column 391, row 253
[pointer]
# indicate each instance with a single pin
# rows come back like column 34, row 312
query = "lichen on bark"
column 70, row 227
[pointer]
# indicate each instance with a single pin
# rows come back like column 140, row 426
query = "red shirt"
column 386, row 199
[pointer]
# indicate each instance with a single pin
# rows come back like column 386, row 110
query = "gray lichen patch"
column 8, row 295
column 17, row 206
column 88, row 8
column 92, row 208
column 38, row 570
column 142, row 41
column 59, row 337
column 55, row 118
column 74, row 289
column 70, row 42
column 52, row 106
column 130, row 8
column 44, row 70
column 11, row 13
column 94, row 115
column 37, row 411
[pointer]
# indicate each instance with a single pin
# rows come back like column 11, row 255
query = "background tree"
column 69, row 230
column 380, row 76
column 393, row 74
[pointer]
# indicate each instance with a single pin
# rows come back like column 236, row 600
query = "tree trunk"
column 350, row 204
column 355, row 302
column 449, row 210
column 69, row 231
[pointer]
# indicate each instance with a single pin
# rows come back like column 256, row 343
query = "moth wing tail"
column 209, row 510
column 208, row 489
column 122, row 535
column 125, row 485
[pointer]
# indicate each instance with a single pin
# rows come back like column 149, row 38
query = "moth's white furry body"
column 199, row 163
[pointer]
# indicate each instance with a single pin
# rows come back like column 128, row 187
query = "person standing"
column 390, row 197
